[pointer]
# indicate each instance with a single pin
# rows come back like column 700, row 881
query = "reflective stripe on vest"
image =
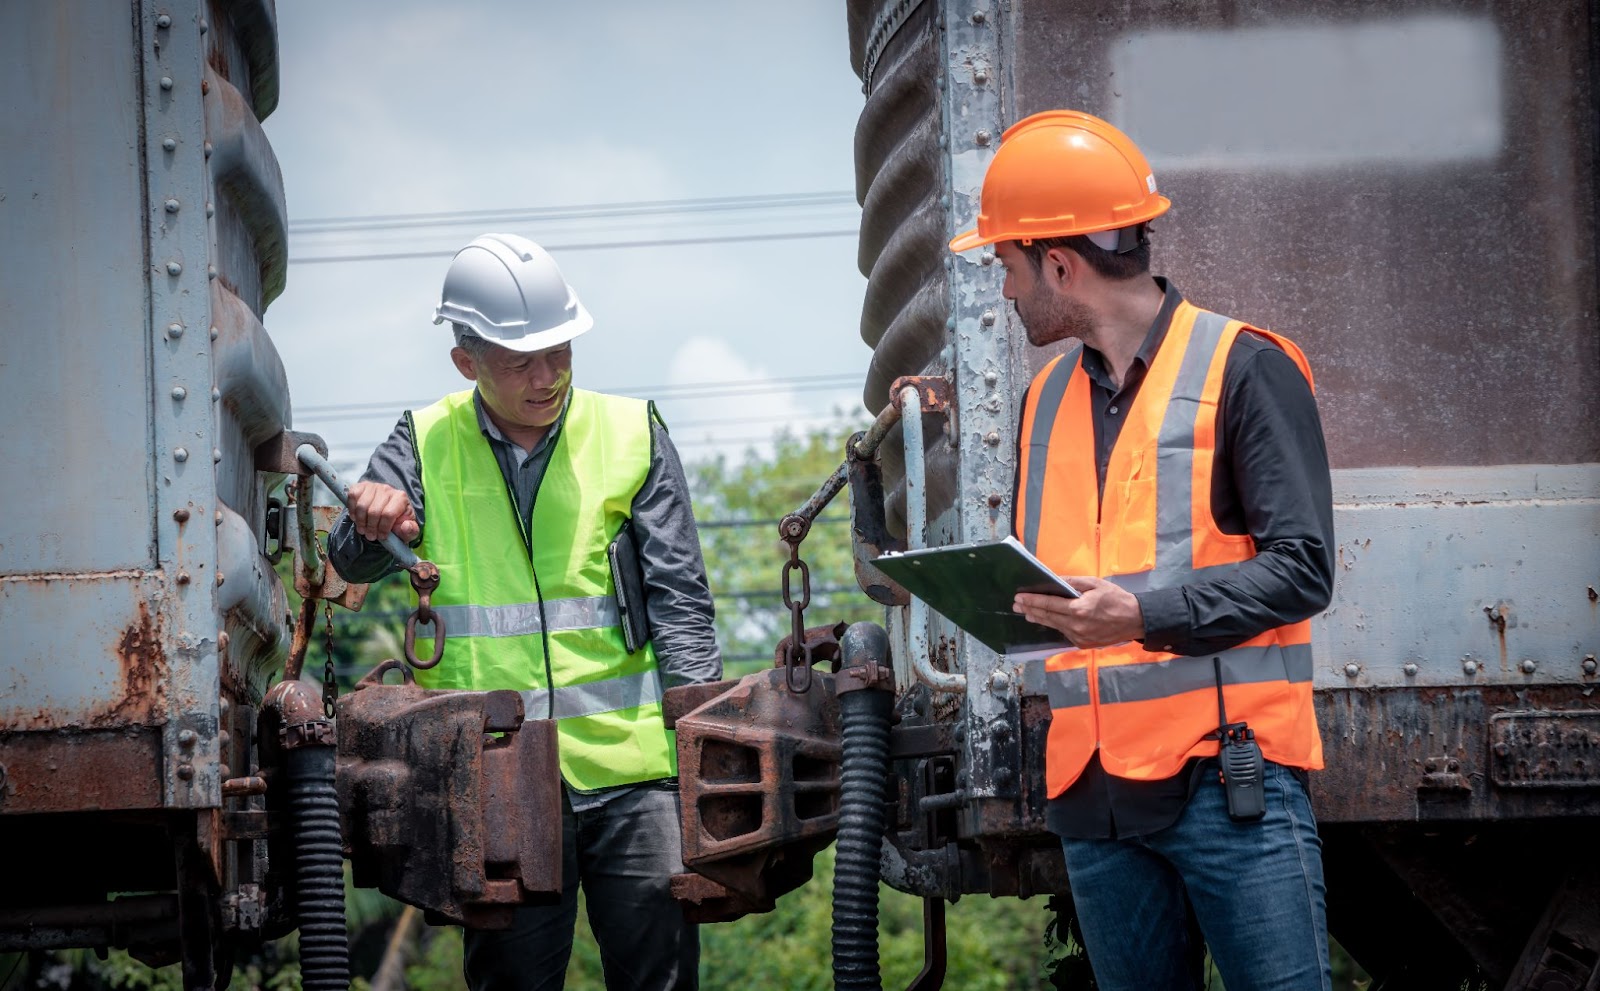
column 1148, row 711
column 522, row 618
column 1160, row 679
column 529, row 605
column 610, row 695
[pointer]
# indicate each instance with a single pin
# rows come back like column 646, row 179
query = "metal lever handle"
column 317, row 463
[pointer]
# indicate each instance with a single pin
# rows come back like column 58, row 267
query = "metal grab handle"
column 317, row 463
column 424, row 574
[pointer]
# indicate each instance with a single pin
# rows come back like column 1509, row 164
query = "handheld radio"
column 1240, row 763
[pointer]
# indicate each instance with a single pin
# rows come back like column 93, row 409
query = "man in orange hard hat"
column 1172, row 467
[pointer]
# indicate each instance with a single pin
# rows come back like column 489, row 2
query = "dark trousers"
column 624, row 853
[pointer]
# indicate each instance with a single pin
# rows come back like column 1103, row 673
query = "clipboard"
column 972, row 585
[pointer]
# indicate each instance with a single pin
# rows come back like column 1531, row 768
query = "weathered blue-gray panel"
column 74, row 365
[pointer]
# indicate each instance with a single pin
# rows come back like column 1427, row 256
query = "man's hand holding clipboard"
column 1101, row 615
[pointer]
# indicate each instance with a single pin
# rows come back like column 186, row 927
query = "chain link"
column 330, row 687
column 799, row 656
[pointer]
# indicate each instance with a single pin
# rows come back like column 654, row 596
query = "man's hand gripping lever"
column 424, row 574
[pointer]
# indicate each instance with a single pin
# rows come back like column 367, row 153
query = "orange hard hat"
column 1059, row 173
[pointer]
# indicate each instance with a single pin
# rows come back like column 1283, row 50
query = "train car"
column 144, row 223
column 1407, row 190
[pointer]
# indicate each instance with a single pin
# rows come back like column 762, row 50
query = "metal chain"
column 799, row 656
column 330, row 687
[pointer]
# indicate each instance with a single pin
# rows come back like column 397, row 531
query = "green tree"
column 738, row 505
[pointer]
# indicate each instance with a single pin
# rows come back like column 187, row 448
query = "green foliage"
column 745, row 562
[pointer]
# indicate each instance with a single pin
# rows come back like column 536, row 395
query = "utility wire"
column 581, row 211
column 593, row 246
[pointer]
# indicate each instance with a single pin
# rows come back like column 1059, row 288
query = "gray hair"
column 468, row 340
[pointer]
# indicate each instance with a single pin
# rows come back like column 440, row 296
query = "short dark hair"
column 468, row 340
column 1128, row 265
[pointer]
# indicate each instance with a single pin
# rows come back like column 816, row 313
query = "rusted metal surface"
column 80, row 770
column 934, row 394
column 129, row 920
column 758, row 769
column 439, row 813
column 1467, row 753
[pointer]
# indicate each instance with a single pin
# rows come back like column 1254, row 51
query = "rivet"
column 983, row 137
column 218, row 518
column 213, row 333
column 219, row 578
column 222, row 703
column 173, row 268
column 1470, row 666
column 960, row 733
column 186, row 771
column 183, row 578
column 204, row 27
column 938, row 82
column 181, row 515
column 1411, row 669
column 990, row 378
column 1352, row 669
column 179, row 392
column 992, row 438
column 224, row 738
column 169, row 144
column 222, row 640
column 986, row 258
column 205, row 86
column 216, row 455
column 208, row 149
column 1589, row 665
column 999, row 680
column 978, row 17
column 172, row 206
column 987, row 318
column 211, row 209
column 1529, row 665
column 166, row 82
column 980, row 76
column 944, row 202
column 1003, row 775
column 211, row 271
column 180, row 454
column 995, row 499
column 163, row 21
column 216, row 393
column 943, row 141
column 174, row 330
column 188, row 738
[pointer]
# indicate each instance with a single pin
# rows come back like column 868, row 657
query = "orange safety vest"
column 1148, row 711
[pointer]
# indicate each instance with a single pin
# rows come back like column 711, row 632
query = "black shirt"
column 1271, row 482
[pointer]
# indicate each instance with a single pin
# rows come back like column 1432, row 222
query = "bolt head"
column 992, row 438
column 220, row 578
column 211, row 209
column 1469, row 666
column 1529, row 665
column 983, row 137
column 181, row 515
column 172, row 206
column 208, row 149
column 216, row 455
column 995, row 499
column 186, row 771
column 978, row 17
column 188, row 738
column 990, row 378
column 1352, row 669
column 1411, row 668
column 211, row 271
column 164, row 21
column 183, row 578
column 179, row 392
column 166, row 82
column 174, row 268
column 988, row 318
column 214, row 333
column 180, row 454
column 986, row 258
column 1590, row 665
column 999, row 680
column 980, row 77
column 216, row 394
column 168, row 144
column 204, row 27
column 174, row 330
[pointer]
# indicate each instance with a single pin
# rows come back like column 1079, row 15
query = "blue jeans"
column 1256, row 889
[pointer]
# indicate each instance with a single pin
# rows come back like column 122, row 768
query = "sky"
column 537, row 118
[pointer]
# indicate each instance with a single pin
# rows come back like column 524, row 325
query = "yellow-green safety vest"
column 535, row 611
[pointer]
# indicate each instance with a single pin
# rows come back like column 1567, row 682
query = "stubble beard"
column 1051, row 318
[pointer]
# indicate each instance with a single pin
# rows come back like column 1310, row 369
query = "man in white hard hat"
column 523, row 490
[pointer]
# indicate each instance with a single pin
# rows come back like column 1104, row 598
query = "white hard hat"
column 508, row 290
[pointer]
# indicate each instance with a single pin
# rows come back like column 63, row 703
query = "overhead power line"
column 692, row 390
column 591, row 246
column 586, row 211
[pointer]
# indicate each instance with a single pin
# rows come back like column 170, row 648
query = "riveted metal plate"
column 1545, row 749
